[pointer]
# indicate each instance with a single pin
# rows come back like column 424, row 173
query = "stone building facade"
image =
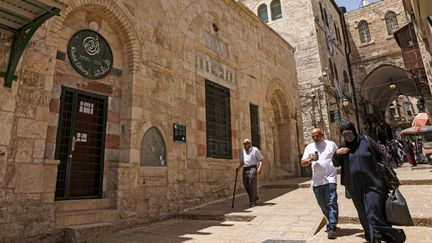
column 377, row 59
column 420, row 13
column 205, row 66
column 316, row 29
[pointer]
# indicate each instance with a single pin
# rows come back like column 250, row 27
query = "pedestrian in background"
column 319, row 155
column 409, row 153
column 251, row 160
column 358, row 157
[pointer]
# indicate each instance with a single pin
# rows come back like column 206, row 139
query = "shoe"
column 331, row 234
column 252, row 205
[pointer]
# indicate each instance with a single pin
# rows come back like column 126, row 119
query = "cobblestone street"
column 286, row 214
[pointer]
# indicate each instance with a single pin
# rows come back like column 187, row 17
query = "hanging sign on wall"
column 90, row 54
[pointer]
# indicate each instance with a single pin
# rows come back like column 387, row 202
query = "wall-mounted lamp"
column 392, row 85
column 345, row 102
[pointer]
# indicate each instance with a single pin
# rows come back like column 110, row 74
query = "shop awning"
column 23, row 18
column 416, row 130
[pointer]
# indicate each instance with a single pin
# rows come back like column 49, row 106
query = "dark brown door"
column 80, row 144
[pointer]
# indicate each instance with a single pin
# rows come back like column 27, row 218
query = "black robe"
column 369, row 193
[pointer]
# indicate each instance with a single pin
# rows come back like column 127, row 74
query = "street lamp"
column 345, row 103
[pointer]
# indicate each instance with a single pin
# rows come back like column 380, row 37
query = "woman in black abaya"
column 358, row 157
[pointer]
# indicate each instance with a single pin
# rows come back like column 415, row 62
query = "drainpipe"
column 347, row 53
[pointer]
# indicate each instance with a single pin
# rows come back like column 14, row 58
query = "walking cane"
column 235, row 185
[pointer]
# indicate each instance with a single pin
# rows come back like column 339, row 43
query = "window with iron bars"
column 363, row 28
column 254, row 121
column 391, row 22
column 218, row 121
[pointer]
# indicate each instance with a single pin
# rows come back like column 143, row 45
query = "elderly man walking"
column 251, row 160
column 319, row 154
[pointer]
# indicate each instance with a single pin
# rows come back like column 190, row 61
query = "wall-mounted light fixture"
column 392, row 85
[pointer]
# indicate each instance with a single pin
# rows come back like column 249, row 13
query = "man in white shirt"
column 251, row 160
column 319, row 155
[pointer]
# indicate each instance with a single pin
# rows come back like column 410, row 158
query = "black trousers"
column 370, row 205
column 250, row 182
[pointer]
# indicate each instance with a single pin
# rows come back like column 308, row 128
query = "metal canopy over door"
column 80, row 145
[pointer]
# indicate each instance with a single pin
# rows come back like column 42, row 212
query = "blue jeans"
column 326, row 196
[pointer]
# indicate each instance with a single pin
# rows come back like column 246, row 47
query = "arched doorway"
column 380, row 89
column 282, row 133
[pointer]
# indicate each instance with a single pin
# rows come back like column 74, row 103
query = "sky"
column 352, row 4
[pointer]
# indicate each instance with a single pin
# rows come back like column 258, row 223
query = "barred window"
column 276, row 9
column 391, row 22
column 153, row 148
column 254, row 120
column 363, row 28
column 218, row 121
column 262, row 13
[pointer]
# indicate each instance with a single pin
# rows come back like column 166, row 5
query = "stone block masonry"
column 163, row 53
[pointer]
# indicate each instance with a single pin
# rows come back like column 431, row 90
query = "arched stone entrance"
column 283, row 129
column 378, row 96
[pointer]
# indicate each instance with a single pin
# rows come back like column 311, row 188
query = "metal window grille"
column 364, row 33
column 391, row 22
column 80, row 146
column 218, row 121
column 276, row 10
column 262, row 13
column 153, row 148
column 254, row 121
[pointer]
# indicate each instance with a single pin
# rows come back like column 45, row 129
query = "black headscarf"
column 350, row 126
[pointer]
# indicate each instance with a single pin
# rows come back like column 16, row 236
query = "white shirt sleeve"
column 259, row 156
column 306, row 153
column 335, row 148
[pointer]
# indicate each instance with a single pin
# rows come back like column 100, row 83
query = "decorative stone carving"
column 215, row 44
column 211, row 69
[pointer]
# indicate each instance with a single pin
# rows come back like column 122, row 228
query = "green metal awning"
column 23, row 18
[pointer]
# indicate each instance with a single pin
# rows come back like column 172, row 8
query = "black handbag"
column 397, row 212
column 383, row 167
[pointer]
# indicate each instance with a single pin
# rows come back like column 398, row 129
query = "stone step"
column 81, row 217
column 420, row 222
column 87, row 232
column 298, row 182
column 86, row 204
column 407, row 182
column 354, row 233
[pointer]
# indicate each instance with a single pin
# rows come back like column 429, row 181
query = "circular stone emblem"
column 90, row 54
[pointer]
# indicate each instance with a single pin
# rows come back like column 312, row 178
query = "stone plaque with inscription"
column 90, row 54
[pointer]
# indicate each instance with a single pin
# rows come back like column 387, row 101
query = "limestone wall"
column 382, row 49
column 302, row 24
column 161, row 50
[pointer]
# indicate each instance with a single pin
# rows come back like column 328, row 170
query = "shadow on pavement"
column 349, row 232
column 199, row 222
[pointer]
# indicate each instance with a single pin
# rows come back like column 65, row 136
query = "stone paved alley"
column 285, row 214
